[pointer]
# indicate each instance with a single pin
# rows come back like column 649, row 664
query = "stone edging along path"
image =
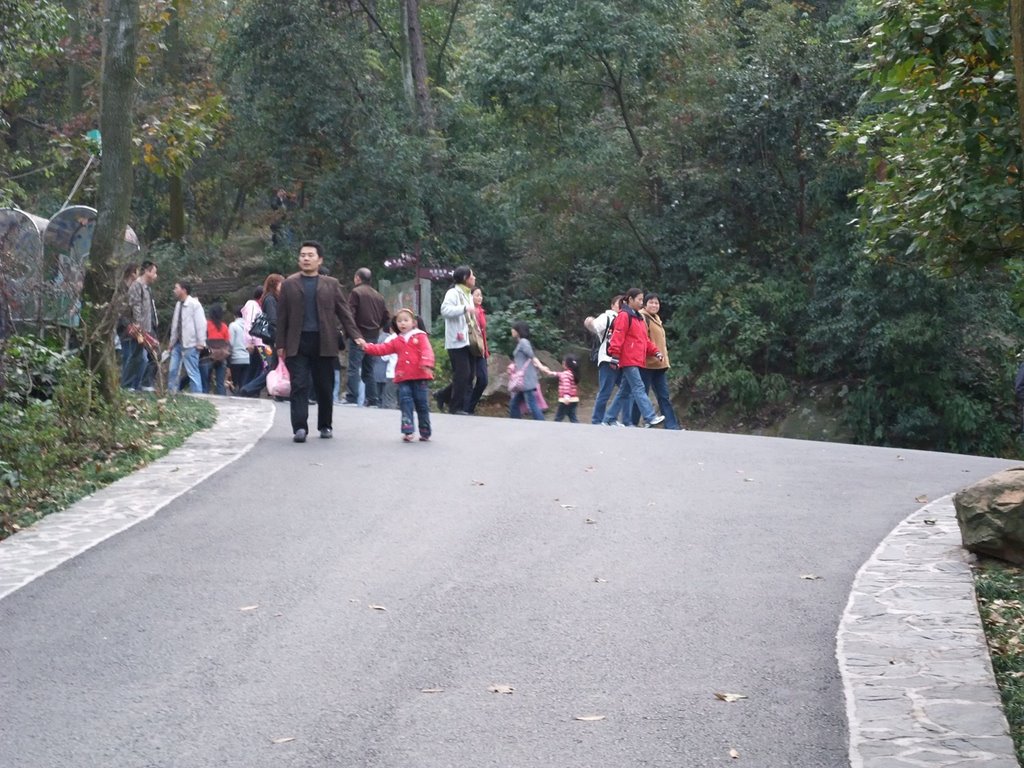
column 57, row 538
column 911, row 650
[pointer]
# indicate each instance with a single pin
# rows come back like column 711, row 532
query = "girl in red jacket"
column 415, row 368
column 630, row 345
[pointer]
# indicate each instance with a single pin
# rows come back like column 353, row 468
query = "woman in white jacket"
column 457, row 301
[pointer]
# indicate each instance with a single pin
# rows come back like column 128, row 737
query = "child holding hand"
column 568, row 389
column 413, row 371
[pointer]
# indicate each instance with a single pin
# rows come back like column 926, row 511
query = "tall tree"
column 120, row 30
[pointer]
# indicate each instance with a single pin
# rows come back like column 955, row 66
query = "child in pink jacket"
column 413, row 371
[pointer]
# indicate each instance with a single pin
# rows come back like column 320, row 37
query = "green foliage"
column 60, row 449
column 30, row 369
column 543, row 333
column 938, row 128
column 928, row 360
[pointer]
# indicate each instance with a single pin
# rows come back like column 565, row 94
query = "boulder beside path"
column 991, row 515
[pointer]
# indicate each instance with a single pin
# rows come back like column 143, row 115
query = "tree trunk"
column 418, row 57
column 102, row 279
column 173, row 65
column 1017, row 30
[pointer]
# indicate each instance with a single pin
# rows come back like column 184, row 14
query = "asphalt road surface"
column 353, row 602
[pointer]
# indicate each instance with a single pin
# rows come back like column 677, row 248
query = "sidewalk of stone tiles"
column 61, row 536
column 919, row 684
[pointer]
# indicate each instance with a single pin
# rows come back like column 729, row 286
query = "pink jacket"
column 629, row 341
column 415, row 355
column 568, row 392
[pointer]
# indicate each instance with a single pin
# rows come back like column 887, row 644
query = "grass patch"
column 58, row 451
column 1000, row 589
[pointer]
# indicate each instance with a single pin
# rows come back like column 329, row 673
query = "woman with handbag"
column 523, row 379
column 268, row 317
column 455, row 309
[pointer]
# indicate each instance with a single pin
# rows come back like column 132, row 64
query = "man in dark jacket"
column 371, row 316
column 309, row 311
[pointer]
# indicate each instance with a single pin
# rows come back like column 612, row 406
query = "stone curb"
column 57, row 538
column 919, row 685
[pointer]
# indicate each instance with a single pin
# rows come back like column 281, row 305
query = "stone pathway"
column 57, row 538
column 919, row 684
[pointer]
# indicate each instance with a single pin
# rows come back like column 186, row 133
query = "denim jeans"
column 133, row 363
column 631, row 389
column 219, row 370
column 530, row 397
column 479, row 369
column 415, row 396
column 606, row 381
column 657, row 379
column 360, row 369
column 190, row 357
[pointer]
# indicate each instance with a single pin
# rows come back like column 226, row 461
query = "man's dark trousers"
column 306, row 365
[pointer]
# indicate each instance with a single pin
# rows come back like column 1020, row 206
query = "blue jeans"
column 606, row 381
column 360, row 369
column 530, row 397
column 415, row 396
column 133, row 363
column 631, row 389
column 206, row 366
column 190, row 357
column 479, row 368
column 657, row 379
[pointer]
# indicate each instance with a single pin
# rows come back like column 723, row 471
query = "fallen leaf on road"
column 588, row 469
column 567, row 506
column 315, row 464
column 734, row 754
column 378, row 607
column 590, row 521
column 928, row 522
column 283, row 740
column 922, row 499
column 899, row 458
column 249, row 607
column 730, row 697
column 501, row 689
column 599, row 580
column 748, row 479
column 476, row 482
column 810, row 576
column 589, row 718
column 431, row 690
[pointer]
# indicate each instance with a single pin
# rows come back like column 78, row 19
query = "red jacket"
column 415, row 355
column 629, row 341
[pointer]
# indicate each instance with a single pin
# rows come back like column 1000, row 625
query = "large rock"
column 991, row 515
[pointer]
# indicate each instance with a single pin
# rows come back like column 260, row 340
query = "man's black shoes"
column 326, row 433
column 299, row 436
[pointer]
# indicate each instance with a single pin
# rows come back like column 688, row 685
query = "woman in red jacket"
column 413, row 371
column 631, row 346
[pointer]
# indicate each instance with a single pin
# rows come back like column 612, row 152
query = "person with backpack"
column 607, row 376
column 630, row 346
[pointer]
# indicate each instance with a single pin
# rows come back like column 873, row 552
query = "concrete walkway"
column 910, row 649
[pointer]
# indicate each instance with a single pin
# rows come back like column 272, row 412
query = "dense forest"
column 827, row 197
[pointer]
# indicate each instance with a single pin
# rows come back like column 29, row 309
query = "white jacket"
column 193, row 324
column 602, row 323
column 453, row 310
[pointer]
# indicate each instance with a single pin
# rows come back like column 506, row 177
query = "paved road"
column 629, row 574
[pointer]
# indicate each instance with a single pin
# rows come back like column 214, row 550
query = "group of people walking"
column 303, row 321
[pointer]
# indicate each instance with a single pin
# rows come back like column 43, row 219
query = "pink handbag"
column 279, row 382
